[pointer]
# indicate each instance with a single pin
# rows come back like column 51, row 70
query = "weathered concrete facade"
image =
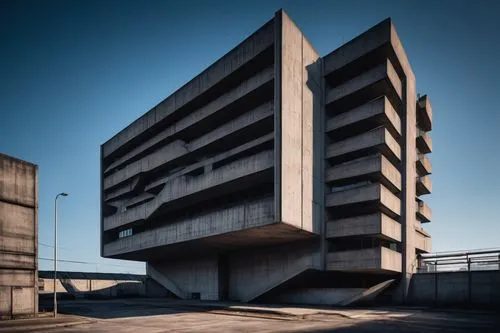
column 18, row 238
column 276, row 171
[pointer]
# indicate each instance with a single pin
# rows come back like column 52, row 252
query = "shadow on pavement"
column 121, row 308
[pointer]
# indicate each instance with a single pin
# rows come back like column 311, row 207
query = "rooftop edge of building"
column 18, row 160
column 120, row 139
column 377, row 36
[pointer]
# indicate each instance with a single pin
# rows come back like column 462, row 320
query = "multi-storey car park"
column 277, row 174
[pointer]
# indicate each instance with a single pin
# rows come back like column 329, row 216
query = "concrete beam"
column 210, row 161
column 424, row 165
column 380, row 80
column 381, row 40
column 364, row 225
column 377, row 140
column 379, row 259
column 379, row 112
column 123, row 189
column 179, row 148
column 364, row 43
column 373, row 193
column 197, row 117
column 184, row 186
column 423, row 185
column 424, row 142
column 423, row 241
column 424, row 113
column 251, row 214
column 424, row 213
column 374, row 167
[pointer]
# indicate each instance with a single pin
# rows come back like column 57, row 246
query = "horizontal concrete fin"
column 391, row 228
column 204, row 112
column 166, row 153
column 423, row 185
column 250, row 214
column 384, row 71
column 361, row 166
column 380, row 108
column 138, row 199
column 235, row 59
column 123, row 189
column 424, row 142
column 422, row 242
column 391, row 174
column 420, row 229
column 424, row 213
column 366, row 194
column 215, row 159
column 184, row 186
column 379, row 139
column 372, row 224
column 390, row 201
column 359, row 46
column 424, row 113
column 373, row 260
column 178, row 148
column 374, row 167
column 356, row 195
column 424, row 165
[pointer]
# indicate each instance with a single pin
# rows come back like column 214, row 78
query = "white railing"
column 474, row 260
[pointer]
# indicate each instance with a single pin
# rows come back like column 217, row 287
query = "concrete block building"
column 18, row 238
column 277, row 173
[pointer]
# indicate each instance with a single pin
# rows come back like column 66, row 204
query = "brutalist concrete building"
column 18, row 238
column 277, row 174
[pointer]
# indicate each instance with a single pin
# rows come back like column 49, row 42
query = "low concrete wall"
column 103, row 288
column 475, row 288
column 93, row 288
column 105, row 285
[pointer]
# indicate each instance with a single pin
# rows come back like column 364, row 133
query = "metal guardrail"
column 456, row 276
column 474, row 260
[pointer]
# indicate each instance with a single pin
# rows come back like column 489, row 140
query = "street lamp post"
column 55, row 250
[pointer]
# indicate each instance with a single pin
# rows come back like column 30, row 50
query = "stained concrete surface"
column 155, row 315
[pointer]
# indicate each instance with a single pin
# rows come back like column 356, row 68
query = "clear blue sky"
column 74, row 73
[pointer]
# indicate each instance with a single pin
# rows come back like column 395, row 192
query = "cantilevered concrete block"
column 251, row 177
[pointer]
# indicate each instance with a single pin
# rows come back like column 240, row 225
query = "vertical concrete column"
column 35, row 240
column 278, row 19
column 408, row 173
column 298, row 105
